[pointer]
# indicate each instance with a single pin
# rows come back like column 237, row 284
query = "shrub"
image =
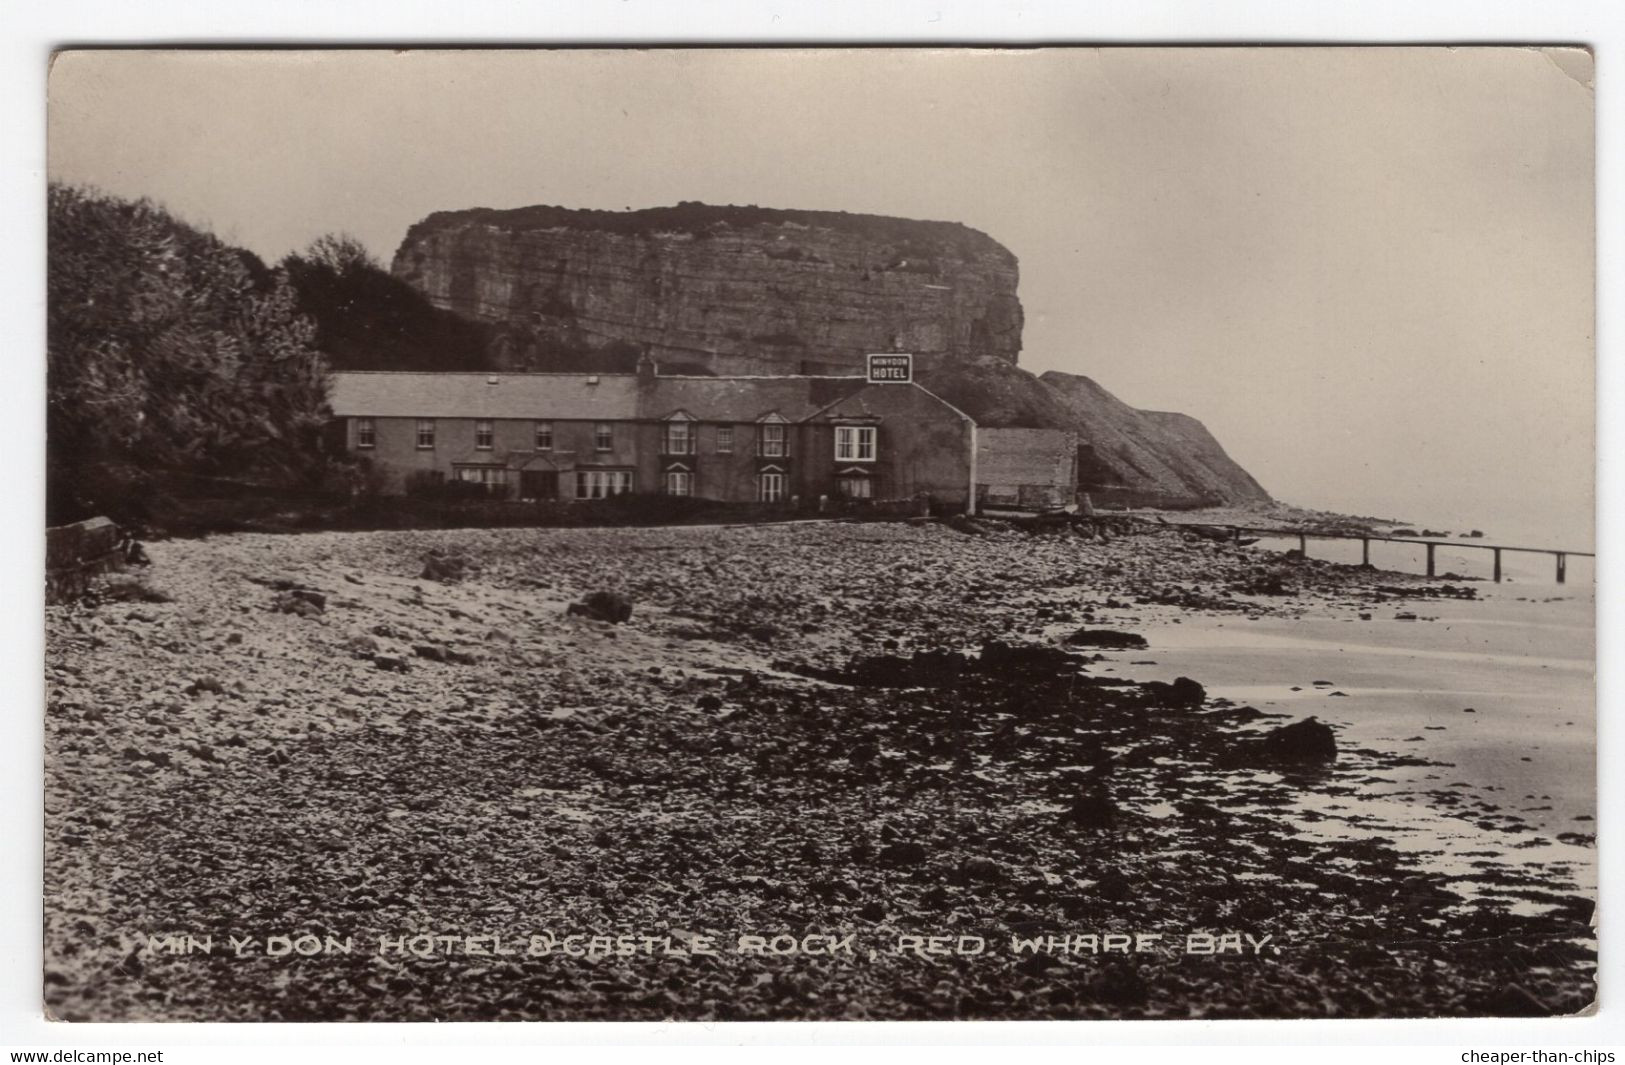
column 168, row 351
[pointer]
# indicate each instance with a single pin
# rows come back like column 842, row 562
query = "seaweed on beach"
column 778, row 738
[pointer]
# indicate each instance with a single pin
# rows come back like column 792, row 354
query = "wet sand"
column 1514, row 778
column 424, row 754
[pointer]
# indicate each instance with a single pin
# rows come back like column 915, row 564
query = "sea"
column 1567, row 526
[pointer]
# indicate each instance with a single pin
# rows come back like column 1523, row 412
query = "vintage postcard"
column 803, row 534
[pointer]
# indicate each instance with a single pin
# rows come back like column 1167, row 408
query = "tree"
column 368, row 319
column 341, row 254
column 169, row 352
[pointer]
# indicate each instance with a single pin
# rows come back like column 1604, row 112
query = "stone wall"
column 76, row 553
column 1026, row 468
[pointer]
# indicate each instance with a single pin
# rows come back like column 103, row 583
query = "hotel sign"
column 891, row 369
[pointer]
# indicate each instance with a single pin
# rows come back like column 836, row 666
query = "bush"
column 367, row 319
column 432, row 486
column 169, row 351
column 423, row 484
column 370, row 479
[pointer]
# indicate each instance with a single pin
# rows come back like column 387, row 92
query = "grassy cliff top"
column 704, row 220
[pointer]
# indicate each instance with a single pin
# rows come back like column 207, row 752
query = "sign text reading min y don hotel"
column 891, row 369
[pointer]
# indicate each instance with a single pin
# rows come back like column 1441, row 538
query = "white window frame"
column 855, row 443
column 725, row 440
column 426, row 434
column 603, row 436
column 485, row 435
column 678, row 437
column 771, row 487
column 601, row 484
column 679, row 483
column 846, row 481
column 366, row 434
column 774, row 448
column 486, row 475
column 544, row 436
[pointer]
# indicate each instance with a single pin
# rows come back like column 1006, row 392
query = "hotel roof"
column 547, row 396
column 584, row 397
column 744, row 399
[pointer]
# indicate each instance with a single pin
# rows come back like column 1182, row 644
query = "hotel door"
column 538, row 484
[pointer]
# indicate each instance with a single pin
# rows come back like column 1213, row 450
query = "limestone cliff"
column 1135, row 455
column 726, row 289
column 739, row 290
column 1154, row 452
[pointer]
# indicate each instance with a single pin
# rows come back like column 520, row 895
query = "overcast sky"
column 1369, row 272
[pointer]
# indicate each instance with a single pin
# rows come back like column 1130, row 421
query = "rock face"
column 1142, row 456
column 724, row 289
column 751, row 290
column 1152, row 452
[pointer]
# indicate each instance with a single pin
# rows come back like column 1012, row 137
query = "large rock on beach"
column 1183, row 693
column 444, row 567
column 603, row 606
column 1016, row 660
column 1307, row 741
column 1107, row 639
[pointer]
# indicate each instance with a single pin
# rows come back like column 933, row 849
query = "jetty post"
column 1365, row 538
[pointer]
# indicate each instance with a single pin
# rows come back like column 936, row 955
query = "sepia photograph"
column 820, row 534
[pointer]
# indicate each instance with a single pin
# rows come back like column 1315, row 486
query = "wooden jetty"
column 1303, row 535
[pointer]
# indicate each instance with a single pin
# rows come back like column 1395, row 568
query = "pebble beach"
column 885, row 735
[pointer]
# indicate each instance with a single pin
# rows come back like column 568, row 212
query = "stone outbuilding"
column 1026, row 469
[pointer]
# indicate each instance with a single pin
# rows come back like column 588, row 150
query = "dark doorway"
column 538, row 484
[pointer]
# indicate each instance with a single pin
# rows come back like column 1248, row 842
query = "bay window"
column 854, row 443
column 679, row 438
column 600, row 484
column 494, row 479
column 853, row 487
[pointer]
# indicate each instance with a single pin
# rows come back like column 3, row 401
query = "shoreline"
column 787, row 734
column 1461, row 555
column 1517, row 757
